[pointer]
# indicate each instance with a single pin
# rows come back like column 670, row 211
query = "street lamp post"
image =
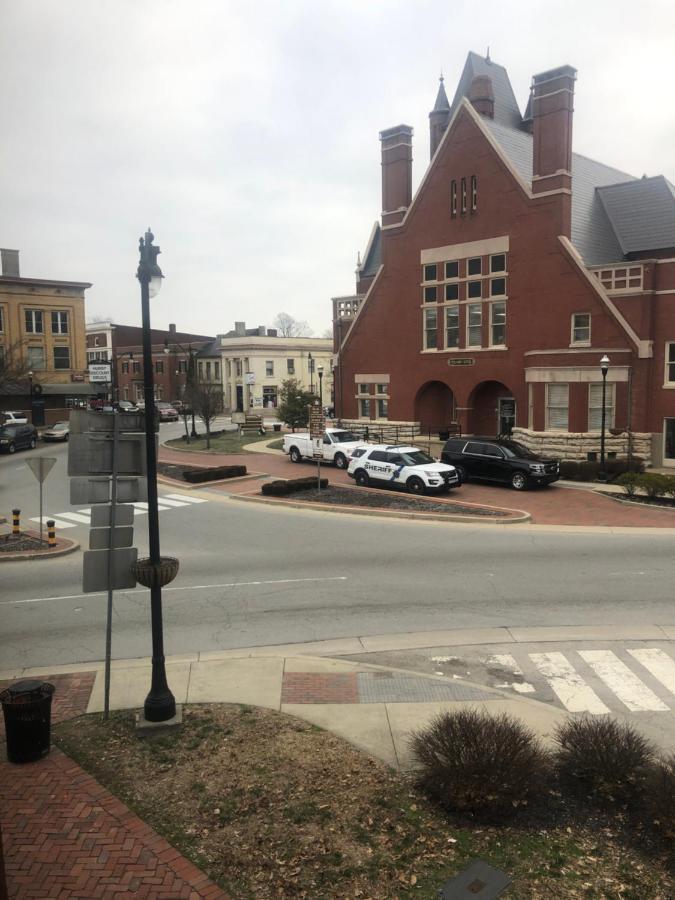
column 160, row 704
column 30, row 390
column 604, row 366
column 320, row 371
column 310, row 369
column 189, row 378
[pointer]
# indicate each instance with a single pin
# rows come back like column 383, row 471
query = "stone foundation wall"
column 566, row 445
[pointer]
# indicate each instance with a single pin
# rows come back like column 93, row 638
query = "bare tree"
column 328, row 333
column 14, row 367
column 206, row 398
column 287, row 326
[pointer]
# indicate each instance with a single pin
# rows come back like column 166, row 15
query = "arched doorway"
column 493, row 409
column 435, row 405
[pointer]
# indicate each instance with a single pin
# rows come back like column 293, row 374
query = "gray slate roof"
column 641, row 212
column 506, row 108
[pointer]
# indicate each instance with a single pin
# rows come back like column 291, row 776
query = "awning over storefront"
column 71, row 389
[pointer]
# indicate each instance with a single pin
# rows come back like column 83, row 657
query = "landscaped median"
column 382, row 502
column 27, row 546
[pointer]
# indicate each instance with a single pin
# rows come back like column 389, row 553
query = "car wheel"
column 461, row 474
column 416, row 486
column 518, row 481
column 65, row 438
column 340, row 460
column 361, row 478
column 33, row 443
column 11, row 449
column 294, row 455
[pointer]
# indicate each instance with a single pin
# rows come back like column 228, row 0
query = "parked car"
column 13, row 417
column 166, row 411
column 495, row 459
column 403, row 466
column 17, row 437
column 60, row 431
column 336, row 446
column 127, row 406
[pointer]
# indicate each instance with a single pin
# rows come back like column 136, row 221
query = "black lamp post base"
column 145, row 726
column 159, row 707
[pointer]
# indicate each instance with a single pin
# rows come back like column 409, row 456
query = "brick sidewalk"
column 66, row 836
column 550, row 506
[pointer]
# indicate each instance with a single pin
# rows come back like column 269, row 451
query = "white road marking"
column 571, row 689
column 186, row 497
column 622, row 681
column 193, row 587
column 508, row 662
column 167, row 502
column 76, row 517
column 658, row 664
column 59, row 523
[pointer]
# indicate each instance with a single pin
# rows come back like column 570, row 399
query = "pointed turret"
column 438, row 117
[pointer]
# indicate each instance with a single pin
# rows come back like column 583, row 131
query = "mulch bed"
column 390, row 499
column 17, row 543
column 662, row 502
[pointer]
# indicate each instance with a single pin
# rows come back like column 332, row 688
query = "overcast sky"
column 246, row 133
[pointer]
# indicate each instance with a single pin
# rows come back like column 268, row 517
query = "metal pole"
column 108, row 624
column 603, row 472
column 629, row 418
column 40, row 480
column 160, row 704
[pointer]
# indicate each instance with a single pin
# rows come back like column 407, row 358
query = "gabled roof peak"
column 506, row 110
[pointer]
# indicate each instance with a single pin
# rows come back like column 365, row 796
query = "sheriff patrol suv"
column 409, row 467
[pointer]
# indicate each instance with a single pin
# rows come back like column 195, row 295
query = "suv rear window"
column 456, row 444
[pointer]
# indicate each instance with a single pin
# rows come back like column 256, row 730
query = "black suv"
column 16, row 437
column 494, row 459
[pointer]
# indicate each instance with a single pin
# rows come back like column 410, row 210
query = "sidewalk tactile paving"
column 394, row 687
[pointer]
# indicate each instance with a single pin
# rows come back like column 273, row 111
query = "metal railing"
column 402, row 434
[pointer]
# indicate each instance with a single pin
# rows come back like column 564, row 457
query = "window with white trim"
column 60, row 323
column 557, row 407
column 61, row 357
column 581, row 328
column 498, row 324
column 125, row 368
column 381, row 388
column 474, row 266
column 453, row 198
column 595, row 406
column 364, row 408
column 474, row 324
column 430, row 295
column 670, row 362
column 452, row 292
column 624, row 278
column 34, row 323
column 464, row 197
column 269, row 368
column 216, row 371
column 452, row 269
column 36, row 358
column 238, row 368
column 474, row 193
column 497, row 287
column 430, row 272
column 159, row 366
column 430, row 329
column 452, row 327
column 498, row 262
column 2, row 319
column 382, row 408
column 474, row 289
column 138, row 389
column 290, row 367
column 362, row 388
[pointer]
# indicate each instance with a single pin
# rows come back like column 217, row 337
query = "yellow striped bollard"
column 51, row 532
column 16, row 527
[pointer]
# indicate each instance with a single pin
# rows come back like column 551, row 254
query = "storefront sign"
column 99, row 372
column 461, row 362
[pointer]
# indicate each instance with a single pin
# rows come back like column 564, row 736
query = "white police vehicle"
column 409, row 467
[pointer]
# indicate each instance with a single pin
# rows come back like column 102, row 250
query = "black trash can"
column 27, row 706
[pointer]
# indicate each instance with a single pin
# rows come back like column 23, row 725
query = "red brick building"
column 490, row 297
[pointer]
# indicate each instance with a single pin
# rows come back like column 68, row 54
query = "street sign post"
column 41, row 466
column 317, row 431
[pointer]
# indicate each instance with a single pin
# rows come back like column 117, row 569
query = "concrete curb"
column 186, row 485
column 63, row 548
column 386, row 513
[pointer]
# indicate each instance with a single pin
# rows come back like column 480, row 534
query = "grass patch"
column 222, row 442
column 269, row 806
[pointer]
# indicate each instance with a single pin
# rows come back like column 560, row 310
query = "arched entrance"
column 435, row 405
column 493, row 409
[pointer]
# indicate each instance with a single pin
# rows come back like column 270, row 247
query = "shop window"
column 270, row 396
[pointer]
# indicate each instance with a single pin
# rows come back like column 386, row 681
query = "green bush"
column 670, row 489
column 660, row 799
column 585, row 470
column 281, row 488
column 473, row 761
column 629, row 481
column 196, row 476
column 654, row 485
column 610, row 759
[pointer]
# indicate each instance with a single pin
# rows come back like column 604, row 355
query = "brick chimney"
column 172, row 329
column 240, row 329
column 10, row 263
column 482, row 96
column 396, row 173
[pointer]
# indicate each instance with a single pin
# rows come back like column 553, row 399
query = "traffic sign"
column 92, row 454
column 100, row 515
column 96, row 489
column 41, row 466
column 95, row 570
column 99, row 538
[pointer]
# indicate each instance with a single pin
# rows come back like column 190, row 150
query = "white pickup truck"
column 337, row 446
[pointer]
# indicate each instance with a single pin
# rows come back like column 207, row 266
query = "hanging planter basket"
column 151, row 574
column 615, row 432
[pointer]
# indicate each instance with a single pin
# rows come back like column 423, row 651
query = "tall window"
column 216, row 371
column 290, row 366
column 595, row 406
column 269, row 368
column 34, row 323
column 382, row 408
column 2, row 319
column 238, row 368
column 474, row 324
column 474, row 193
column 61, row 357
column 557, row 407
column 60, row 323
column 159, row 366
column 36, row 357
column 364, row 408
column 208, row 370
column 270, row 396
column 430, row 329
column 498, row 324
column 464, row 198
column 136, row 367
column 125, row 368
column 581, row 328
column 182, row 366
column 670, row 362
column 452, row 326
column 453, row 198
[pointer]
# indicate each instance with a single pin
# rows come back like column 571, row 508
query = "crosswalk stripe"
column 569, row 686
column 659, row 664
column 167, row 502
column 508, row 662
column 186, row 498
column 632, row 692
column 59, row 523
column 76, row 517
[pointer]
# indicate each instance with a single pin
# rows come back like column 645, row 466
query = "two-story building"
column 489, row 298
column 42, row 338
